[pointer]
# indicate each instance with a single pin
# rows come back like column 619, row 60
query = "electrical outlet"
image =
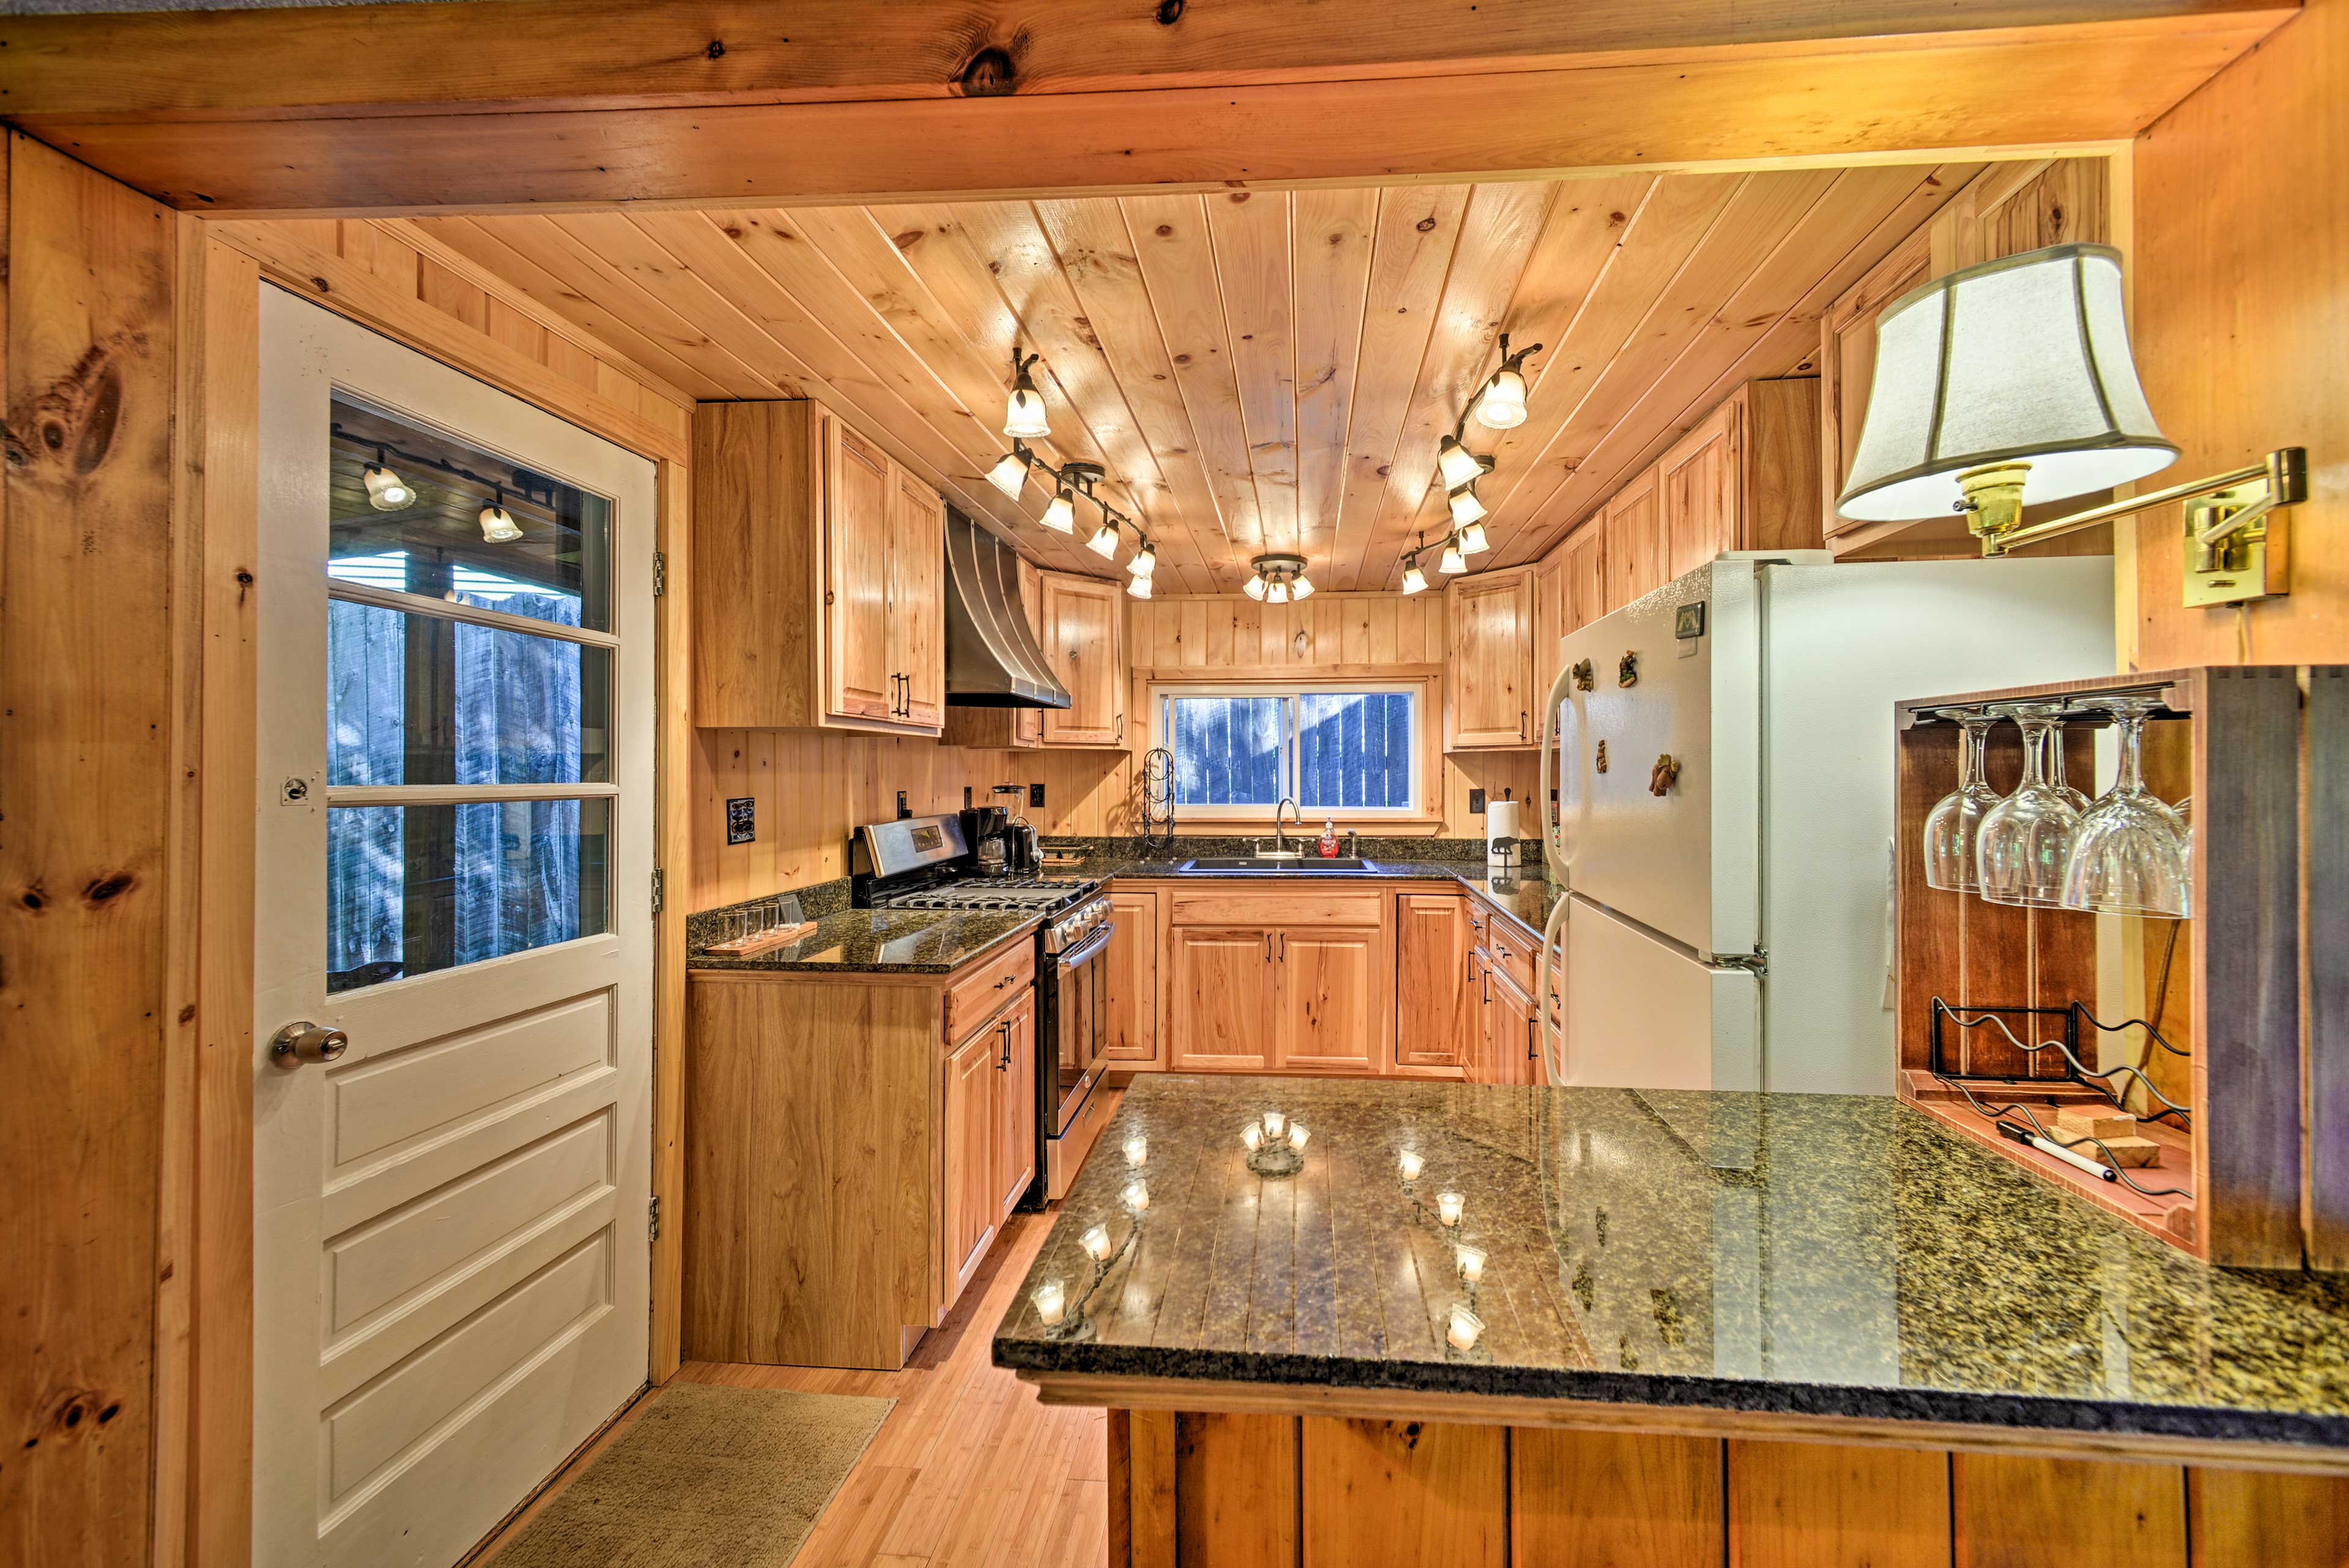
column 904, row 811
column 966, row 797
column 1475, row 802
column 1035, row 795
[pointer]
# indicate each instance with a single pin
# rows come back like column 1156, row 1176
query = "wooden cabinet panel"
column 1621, row 1500
column 1697, row 491
column 1635, row 544
column 1552, row 593
column 1510, row 1028
column 1015, row 1105
column 1433, row 992
column 986, row 983
column 1130, row 981
column 970, row 1201
column 1848, row 360
column 1824, row 1505
column 1236, row 903
column 1491, row 660
column 1083, row 636
column 916, row 623
column 1586, row 573
column 1333, row 1013
column 1404, row 1492
column 1222, row 996
column 862, row 497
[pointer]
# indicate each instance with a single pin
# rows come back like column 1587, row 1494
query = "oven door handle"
column 1086, row 949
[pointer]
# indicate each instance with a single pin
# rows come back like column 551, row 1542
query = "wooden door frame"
column 247, row 100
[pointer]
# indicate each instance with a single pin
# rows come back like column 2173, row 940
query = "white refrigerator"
column 1734, row 930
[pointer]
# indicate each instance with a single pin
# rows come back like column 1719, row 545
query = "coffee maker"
column 982, row 830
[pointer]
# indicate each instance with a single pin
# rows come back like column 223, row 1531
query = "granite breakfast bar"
column 1667, row 1328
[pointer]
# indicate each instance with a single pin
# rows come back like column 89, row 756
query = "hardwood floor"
column 967, row 1470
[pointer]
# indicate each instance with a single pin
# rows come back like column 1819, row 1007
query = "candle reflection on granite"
column 1137, row 1149
column 1472, row 1263
column 1297, row 1137
column 1449, row 1207
column 1051, row 1301
column 1412, row 1164
column 1465, row 1329
column 1137, row 1196
column 1095, row 1242
column 1273, row 1123
column 1252, row 1137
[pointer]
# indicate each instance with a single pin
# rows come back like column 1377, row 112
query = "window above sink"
column 1352, row 751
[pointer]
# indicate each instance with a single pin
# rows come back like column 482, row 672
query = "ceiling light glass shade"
column 1301, row 589
column 1503, row 406
column 1253, row 588
column 1278, row 594
column 1023, row 416
column 386, row 492
column 1104, row 539
column 1414, row 581
column 2024, row 359
column 498, row 525
column 1465, row 507
column 1137, row 588
column 1451, row 560
column 1060, row 513
column 1010, row 474
column 1145, row 560
column 1473, row 541
column 1457, row 462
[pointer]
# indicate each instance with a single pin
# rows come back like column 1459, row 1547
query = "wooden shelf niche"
column 2227, row 984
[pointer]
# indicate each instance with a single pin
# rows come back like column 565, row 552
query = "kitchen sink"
column 1309, row 866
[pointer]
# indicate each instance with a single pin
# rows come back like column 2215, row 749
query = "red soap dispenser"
column 1329, row 838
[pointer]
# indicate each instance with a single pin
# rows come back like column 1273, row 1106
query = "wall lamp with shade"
column 2011, row 383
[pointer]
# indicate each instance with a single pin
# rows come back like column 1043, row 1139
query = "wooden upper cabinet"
column 1586, row 575
column 1847, row 366
column 1084, row 637
column 1747, row 478
column 1491, row 660
column 1634, row 525
column 917, row 628
column 1696, row 485
column 1552, row 597
column 818, row 599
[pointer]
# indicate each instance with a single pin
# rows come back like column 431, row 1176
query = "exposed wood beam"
column 1755, row 98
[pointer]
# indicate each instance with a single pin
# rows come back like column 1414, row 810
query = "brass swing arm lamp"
column 2013, row 383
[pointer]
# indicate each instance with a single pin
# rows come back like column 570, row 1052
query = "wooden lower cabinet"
column 970, row 1204
column 1434, row 988
column 1273, row 1487
column 1333, row 1000
column 1222, row 996
column 1305, row 988
column 1130, row 983
column 1014, row 1106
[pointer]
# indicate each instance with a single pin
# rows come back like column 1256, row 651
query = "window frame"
column 1424, row 765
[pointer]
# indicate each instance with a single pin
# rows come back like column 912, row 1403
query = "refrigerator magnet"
column 1688, row 621
column 1628, row 672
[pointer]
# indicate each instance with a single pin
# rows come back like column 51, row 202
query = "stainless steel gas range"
column 926, row 863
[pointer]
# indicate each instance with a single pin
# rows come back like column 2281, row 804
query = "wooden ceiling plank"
column 1752, row 229
column 1250, row 234
column 1418, row 227
column 1097, row 252
column 487, row 249
column 1177, row 259
column 2044, row 88
column 1865, row 216
column 1496, row 237
column 1665, row 228
column 1333, row 233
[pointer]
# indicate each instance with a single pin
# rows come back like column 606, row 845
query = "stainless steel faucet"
column 1280, row 839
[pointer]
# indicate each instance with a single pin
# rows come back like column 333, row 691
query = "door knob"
column 307, row 1041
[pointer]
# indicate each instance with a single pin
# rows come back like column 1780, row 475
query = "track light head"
column 1010, row 473
column 386, row 492
column 1023, row 414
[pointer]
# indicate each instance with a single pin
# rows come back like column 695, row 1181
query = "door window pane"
column 405, row 507
column 1354, row 749
column 413, row 889
column 1227, row 750
column 416, row 700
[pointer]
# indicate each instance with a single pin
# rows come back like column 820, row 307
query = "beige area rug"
column 705, row 1478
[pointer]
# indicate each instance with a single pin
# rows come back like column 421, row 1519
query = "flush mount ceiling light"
column 386, row 492
column 1501, row 406
column 2011, row 383
column 498, row 524
column 1023, row 415
column 1465, row 507
column 1278, row 579
column 1010, row 473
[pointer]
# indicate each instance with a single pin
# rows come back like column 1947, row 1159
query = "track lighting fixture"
column 1473, row 541
column 1060, row 513
column 1451, row 560
column 1144, row 562
column 1023, row 415
column 386, row 492
column 1501, row 406
column 1010, row 473
column 1414, row 581
column 498, row 525
column 1465, row 507
column 1458, row 466
column 1137, row 588
column 1104, row 539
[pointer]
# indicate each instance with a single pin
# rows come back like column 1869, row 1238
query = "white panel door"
column 453, row 865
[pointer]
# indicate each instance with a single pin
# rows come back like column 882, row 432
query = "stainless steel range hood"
column 992, row 659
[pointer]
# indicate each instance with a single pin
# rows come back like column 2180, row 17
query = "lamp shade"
column 2022, row 359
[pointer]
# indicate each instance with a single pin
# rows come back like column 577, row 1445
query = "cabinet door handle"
column 1004, row 1029
column 1284, row 947
column 1523, row 717
column 1268, row 946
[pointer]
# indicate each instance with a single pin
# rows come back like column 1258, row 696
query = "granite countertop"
column 881, row 941
column 1811, row 1255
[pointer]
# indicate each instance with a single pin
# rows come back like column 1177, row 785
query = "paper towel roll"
column 1500, row 822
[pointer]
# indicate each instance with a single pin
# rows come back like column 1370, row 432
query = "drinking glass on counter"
column 2025, row 840
column 1951, row 829
column 2128, row 851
